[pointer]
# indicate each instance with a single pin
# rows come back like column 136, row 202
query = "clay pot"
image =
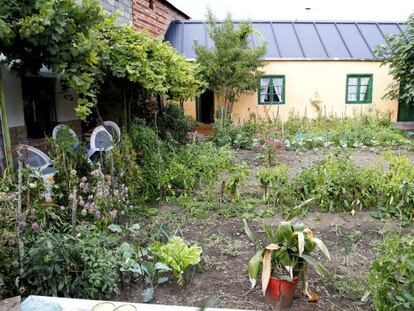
column 280, row 292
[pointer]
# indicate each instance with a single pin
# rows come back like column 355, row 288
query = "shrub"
column 60, row 265
column 390, row 279
column 275, row 180
column 335, row 183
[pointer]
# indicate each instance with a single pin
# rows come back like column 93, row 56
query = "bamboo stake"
column 19, row 218
column 74, row 212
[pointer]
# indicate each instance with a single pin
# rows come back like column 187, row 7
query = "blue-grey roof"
column 341, row 40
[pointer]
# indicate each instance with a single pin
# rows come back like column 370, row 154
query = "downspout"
column 5, row 125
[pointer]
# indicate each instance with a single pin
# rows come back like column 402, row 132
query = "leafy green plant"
column 61, row 265
column 390, row 278
column 286, row 254
column 177, row 255
column 136, row 265
column 275, row 180
column 236, row 179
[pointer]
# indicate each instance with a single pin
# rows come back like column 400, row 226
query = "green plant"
column 286, row 254
column 60, row 265
column 275, row 180
column 136, row 265
column 390, row 278
column 177, row 255
column 231, row 67
column 397, row 54
column 237, row 177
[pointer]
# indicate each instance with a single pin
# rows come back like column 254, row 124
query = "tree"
column 399, row 55
column 231, row 67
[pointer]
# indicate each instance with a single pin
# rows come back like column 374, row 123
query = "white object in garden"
column 101, row 140
column 113, row 129
column 35, row 159
column 60, row 127
column 69, row 304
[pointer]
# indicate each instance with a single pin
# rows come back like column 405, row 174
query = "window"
column 359, row 89
column 272, row 90
column 151, row 4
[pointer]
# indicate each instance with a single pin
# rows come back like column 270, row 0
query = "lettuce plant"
column 177, row 255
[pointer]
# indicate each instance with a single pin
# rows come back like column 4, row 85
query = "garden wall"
column 305, row 78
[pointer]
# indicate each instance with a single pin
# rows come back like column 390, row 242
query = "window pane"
column 264, row 90
column 352, row 97
column 363, row 89
column 352, row 81
column 352, row 93
column 277, row 89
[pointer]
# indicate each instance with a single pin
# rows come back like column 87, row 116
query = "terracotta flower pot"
column 280, row 292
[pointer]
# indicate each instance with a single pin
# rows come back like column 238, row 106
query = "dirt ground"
column 221, row 278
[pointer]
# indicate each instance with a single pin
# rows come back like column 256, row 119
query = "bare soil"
column 221, row 278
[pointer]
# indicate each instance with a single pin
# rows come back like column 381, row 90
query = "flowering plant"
column 268, row 144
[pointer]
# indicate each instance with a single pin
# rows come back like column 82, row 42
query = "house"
column 310, row 67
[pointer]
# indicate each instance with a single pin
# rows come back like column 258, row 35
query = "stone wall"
column 154, row 15
column 123, row 6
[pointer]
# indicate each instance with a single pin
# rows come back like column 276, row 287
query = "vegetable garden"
column 170, row 217
column 177, row 223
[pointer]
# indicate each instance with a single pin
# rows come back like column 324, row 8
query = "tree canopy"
column 399, row 55
column 83, row 44
column 232, row 66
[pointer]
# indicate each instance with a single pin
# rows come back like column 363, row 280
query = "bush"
column 60, row 265
column 170, row 168
column 335, row 183
column 391, row 277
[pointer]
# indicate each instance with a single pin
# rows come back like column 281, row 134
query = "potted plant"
column 284, row 260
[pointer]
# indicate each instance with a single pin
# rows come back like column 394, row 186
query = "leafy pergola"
column 82, row 44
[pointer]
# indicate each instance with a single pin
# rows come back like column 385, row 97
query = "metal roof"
column 307, row 40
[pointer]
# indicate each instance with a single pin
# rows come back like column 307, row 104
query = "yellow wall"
column 305, row 78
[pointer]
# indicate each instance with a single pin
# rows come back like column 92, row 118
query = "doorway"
column 205, row 107
column 405, row 112
column 39, row 106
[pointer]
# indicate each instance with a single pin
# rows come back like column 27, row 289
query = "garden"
column 313, row 213
column 176, row 223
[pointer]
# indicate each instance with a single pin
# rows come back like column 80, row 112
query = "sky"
column 373, row 10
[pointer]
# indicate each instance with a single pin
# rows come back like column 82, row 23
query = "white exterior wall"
column 13, row 95
column 65, row 103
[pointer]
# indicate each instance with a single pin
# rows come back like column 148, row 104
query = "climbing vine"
column 83, row 44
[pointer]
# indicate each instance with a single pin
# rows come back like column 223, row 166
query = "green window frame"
column 359, row 88
column 271, row 90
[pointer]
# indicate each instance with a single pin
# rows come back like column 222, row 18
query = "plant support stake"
column 74, row 212
column 19, row 219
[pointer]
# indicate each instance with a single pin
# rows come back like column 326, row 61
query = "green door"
column 405, row 112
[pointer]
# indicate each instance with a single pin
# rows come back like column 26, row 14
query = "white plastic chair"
column 35, row 159
column 113, row 129
column 101, row 140
column 59, row 127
